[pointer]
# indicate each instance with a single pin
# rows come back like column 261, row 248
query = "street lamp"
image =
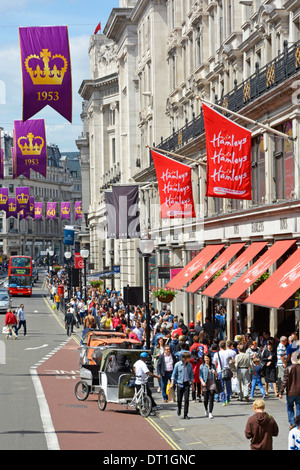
column 51, row 254
column 68, row 256
column 146, row 247
column 84, row 255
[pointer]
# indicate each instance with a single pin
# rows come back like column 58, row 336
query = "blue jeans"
column 291, row 401
column 256, row 380
column 227, row 391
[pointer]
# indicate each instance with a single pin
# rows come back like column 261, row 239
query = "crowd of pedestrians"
column 197, row 361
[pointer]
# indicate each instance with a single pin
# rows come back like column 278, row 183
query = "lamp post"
column 51, row 254
column 84, row 255
column 68, row 256
column 146, row 247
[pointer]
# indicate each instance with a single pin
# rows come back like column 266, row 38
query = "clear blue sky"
column 81, row 17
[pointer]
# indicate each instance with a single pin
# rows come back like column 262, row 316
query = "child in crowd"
column 294, row 435
column 256, row 377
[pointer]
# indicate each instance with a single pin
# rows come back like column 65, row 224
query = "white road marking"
column 50, row 435
column 38, row 347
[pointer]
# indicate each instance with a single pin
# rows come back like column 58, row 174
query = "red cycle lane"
column 81, row 425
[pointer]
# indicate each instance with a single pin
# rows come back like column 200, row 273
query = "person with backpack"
column 197, row 353
column 195, row 362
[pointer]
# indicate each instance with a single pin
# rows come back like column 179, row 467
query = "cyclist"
column 142, row 373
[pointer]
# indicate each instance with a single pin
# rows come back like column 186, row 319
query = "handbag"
column 5, row 330
column 171, row 395
column 219, row 388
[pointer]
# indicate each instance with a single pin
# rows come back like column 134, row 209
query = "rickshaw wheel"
column 81, row 390
column 102, row 400
column 145, row 406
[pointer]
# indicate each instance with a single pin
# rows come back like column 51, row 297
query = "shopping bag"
column 5, row 330
column 54, row 306
column 218, row 385
column 171, row 394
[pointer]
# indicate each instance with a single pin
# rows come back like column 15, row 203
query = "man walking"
column 21, row 320
column 281, row 360
column 243, row 364
column 69, row 322
column 165, row 366
column 291, row 383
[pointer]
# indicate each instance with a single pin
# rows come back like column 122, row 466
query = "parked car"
column 5, row 300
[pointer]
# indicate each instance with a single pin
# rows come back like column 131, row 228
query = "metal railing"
column 284, row 66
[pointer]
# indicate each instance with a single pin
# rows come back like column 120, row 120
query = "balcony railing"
column 284, row 66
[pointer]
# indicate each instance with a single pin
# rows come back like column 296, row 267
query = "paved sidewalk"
column 224, row 432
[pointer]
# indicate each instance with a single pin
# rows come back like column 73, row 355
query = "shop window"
column 284, row 163
column 258, row 170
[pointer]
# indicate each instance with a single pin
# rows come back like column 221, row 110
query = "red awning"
column 258, row 268
column 234, row 268
column 218, row 264
column 197, row 263
column 280, row 286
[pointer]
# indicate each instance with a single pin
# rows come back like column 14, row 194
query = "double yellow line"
column 163, row 434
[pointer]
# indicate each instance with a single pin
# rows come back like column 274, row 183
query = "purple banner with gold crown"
column 1, row 162
column 3, row 199
column 38, row 210
column 23, row 199
column 65, row 211
column 12, row 208
column 51, row 210
column 46, row 70
column 78, row 210
column 30, row 147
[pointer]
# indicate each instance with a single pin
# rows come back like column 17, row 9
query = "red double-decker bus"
column 20, row 275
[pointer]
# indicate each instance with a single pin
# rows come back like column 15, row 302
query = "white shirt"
column 139, row 332
column 224, row 357
column 168, row 362
column 141, row 370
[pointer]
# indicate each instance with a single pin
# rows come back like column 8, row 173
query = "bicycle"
column 140, row 401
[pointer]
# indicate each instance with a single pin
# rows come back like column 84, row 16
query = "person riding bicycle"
column 142, row 373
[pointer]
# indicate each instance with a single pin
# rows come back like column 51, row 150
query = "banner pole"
column 177, row 155
column 269, row 129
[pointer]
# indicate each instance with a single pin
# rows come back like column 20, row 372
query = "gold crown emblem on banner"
column 22, row 198
column 46, row 76
column 3, row 199
column 30, row 149
column 79, row 210
column 38, row 210
column 65, row 210
column 12, row 207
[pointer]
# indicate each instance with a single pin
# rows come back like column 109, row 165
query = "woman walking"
column 208, row 374
column 268, row 362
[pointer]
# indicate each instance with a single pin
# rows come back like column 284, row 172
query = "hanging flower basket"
column 164, row 295
column 167, row 299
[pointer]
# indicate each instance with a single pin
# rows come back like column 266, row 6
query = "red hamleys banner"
column 228, row 147
column 175, row 187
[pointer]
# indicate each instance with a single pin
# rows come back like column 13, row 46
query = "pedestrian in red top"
column 10, row 322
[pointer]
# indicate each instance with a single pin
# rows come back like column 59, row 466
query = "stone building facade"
column 244, row 56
